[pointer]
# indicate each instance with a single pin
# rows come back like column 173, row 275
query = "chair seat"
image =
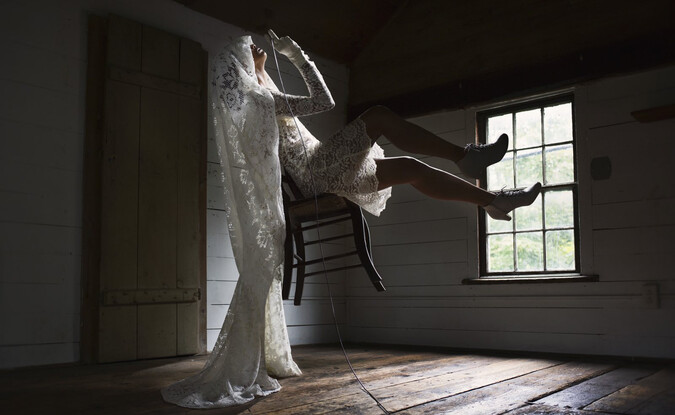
column 329, row 205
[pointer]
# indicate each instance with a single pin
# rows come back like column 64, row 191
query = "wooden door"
column 151, row 276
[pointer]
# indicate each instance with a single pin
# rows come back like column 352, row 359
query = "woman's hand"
column 286, row 46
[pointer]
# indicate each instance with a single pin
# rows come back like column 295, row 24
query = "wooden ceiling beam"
column 438, row 54
column 624, row 57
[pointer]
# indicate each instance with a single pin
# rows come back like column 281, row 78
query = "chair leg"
column 288, row 261
column 300, row 271
column 362, row 241
column 366, row 232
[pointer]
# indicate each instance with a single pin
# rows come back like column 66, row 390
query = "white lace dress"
column 253, row 343
column 343, row 163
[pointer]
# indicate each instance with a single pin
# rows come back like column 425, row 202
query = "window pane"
column 495, row 226
column 500, row 175
column 500, row 253
column 498, row 126
column 528, row 167
column 558, row 123
column 559, row 164
column 560, row 250
column 530, row 251
column 559, row 209
column 529, row 218
column 528, row 128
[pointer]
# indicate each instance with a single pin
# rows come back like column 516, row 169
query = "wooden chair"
column 300, row 215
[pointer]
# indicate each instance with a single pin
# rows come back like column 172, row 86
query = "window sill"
column 531, row 279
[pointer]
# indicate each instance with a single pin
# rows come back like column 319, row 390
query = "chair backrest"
column 289, row 188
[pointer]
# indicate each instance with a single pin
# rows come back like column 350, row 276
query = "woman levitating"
column 351, row 164
column 255, row 129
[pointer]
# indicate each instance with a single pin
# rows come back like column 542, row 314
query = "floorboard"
column 651, row 395
column 541, row 409
column 585, row 393
column 406, row 381
column 512, row 393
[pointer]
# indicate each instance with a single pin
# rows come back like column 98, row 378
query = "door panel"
column 152, row 235
column 117, row 334
column 157, row 330
column 161, row 53
column 119, row 187
column 158, row 180
column 187, row 324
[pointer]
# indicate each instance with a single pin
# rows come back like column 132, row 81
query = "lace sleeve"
column 319, row 99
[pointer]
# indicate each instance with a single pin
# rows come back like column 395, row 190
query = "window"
column 543, row 238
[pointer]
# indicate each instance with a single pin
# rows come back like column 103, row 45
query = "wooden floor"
column 406, row 381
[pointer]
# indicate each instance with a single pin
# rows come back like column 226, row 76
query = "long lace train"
column 253, row 340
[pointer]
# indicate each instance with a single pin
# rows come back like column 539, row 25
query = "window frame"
column 481, row 132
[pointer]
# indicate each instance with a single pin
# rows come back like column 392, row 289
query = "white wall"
column 42, row 110
column 424, row 248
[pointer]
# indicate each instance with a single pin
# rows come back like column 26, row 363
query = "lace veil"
column 253, row 340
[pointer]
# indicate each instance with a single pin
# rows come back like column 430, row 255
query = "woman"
column 253, row 343
column 351, row 164
column 254, row 127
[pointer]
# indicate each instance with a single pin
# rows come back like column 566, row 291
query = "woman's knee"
column 376, row 119
column 400, row 170
column 376, row 113
column 377, row 110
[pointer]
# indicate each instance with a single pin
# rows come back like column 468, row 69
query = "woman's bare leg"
column 431, row 181
column 407, row 136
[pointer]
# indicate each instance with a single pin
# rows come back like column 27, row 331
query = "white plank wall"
column 42, row 110
column 424, row 248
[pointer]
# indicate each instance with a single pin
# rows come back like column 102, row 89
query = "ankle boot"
column 478, row 156
column 506, row 201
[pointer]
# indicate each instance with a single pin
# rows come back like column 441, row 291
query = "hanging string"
column 323, row 258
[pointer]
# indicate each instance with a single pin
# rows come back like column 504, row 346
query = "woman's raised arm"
column 319, row 99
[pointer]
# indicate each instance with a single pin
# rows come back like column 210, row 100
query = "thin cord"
column 323, row 258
